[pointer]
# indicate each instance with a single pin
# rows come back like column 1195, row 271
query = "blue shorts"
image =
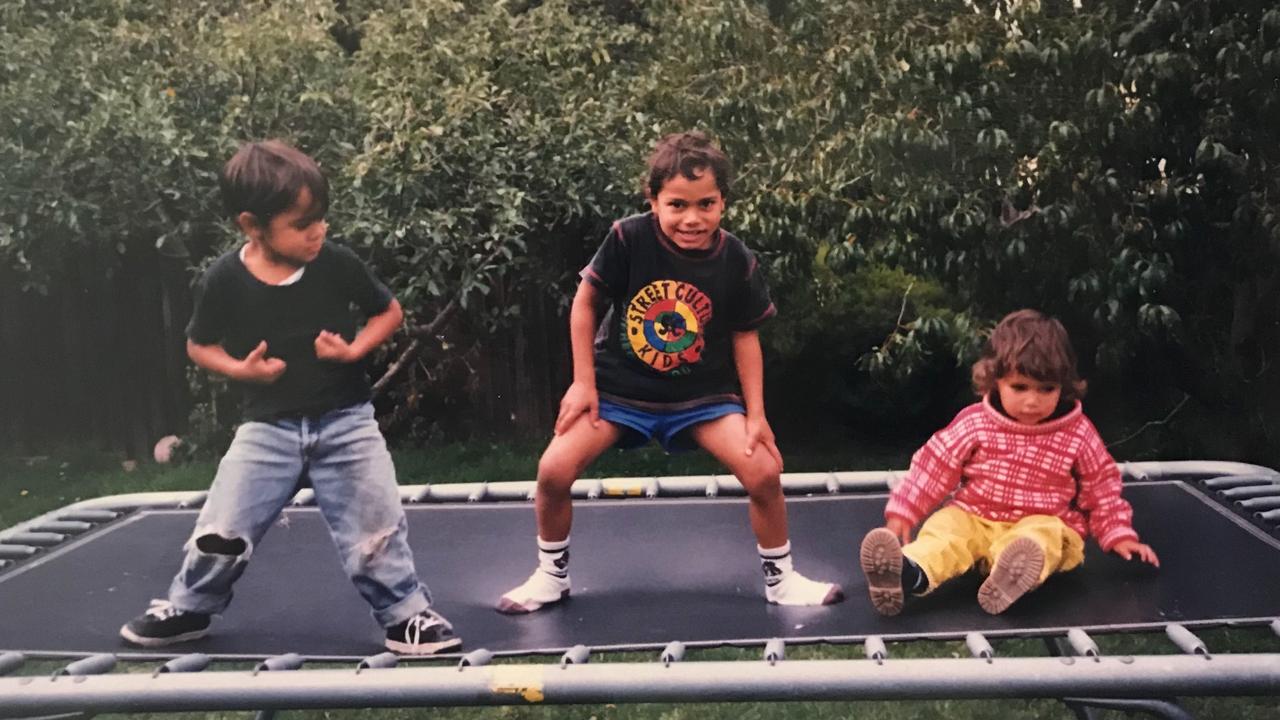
column 640, row 426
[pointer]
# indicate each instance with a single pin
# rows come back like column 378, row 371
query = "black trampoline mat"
column 645, row 572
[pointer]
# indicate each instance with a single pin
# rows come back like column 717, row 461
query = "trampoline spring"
column 90, row 516
column 674, row 652
column 92, row 665
column 480, row 493
column 775, row 651
column 65, row 527
column 195, row 662
column 1083, row 644
column 1261, row 504
column 38, row 539
column 16, row 552
column 576, row 655
column 833, row 484
column 378, row 662
column 1253, row 491
column 876, row 650
column 1269, row 516
column 979, row 647
column 11, row 661
column 652, row 488
column 475, row 658
column 1131, row 472
column 423, row 495
column 713, row 488
column 1186, row 641
column 196, row 500
column 1237, row 481
column 595, row 489
column 305, row 497
column 1275, row 626
column 288, row 661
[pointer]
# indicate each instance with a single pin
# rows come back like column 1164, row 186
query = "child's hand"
column 759, row 433
column 899, row 527
column 256, row 367
column 331, row 346
column 1127, row 549
column 578, row 399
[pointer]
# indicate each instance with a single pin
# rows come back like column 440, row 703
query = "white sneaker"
column 542, row 588
column 796, row 589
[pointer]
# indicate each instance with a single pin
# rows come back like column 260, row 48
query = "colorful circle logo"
column 664, row 326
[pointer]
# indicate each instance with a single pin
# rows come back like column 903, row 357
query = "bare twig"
column 1153, row 423
column 422, row 332
column 411, row 350
column 903, row 310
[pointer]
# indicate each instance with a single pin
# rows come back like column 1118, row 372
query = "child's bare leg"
column 726, row 439
column 562, row 462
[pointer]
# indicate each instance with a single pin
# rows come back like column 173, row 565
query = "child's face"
column 1027, row 400
column 689, row 211
column 295, row 236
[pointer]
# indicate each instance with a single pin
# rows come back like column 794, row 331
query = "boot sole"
column 881, row 560
column 1017, row 572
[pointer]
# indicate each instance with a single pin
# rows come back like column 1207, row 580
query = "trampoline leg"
column 1084, row 707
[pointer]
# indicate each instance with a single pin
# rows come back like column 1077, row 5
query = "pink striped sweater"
column 1006, row 471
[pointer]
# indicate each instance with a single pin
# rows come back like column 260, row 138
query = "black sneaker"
column 164, row 624
column 426, row 633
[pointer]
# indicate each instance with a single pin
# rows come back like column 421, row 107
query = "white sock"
column 553, row 557
column 784, row 585
column 776, row 563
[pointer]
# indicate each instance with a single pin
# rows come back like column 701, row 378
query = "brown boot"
column 1017, row 572
column 881, row 559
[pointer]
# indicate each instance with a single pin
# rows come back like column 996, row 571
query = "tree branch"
column 418, row 334
column 1153, row 423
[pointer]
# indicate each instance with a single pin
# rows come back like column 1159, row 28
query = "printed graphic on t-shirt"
column 666, row 321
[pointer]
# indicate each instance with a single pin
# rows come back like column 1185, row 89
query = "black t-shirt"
column 236, row 310
column 665, row 341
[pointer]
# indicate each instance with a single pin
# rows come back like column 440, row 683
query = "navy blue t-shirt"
column 665, row 342
column 236, row 310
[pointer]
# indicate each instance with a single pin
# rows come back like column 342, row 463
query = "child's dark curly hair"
column 1032, row 344
column 688, row 154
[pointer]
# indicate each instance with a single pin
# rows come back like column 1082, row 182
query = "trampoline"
column 660, row 564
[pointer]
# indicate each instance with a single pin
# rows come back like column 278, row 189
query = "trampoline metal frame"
column 88, row 686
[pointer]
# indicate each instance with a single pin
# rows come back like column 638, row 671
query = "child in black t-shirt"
column 684, row 299
column 275, row 317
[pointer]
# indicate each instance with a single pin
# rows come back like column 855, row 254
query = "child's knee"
column 762, row 478
column 556, row 474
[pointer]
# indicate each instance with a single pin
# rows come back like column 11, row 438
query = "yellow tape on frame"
column 522, row 680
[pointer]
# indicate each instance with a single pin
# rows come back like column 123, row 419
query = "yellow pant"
column 951, row 541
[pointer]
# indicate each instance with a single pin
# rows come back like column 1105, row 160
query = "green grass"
column 30, row 486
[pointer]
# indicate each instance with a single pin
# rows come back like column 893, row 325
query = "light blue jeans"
column 345, row 456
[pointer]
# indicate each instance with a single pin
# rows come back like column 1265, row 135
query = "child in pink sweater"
column 1031, row 479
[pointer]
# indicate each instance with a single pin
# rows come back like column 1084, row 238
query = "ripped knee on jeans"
column 214, row 544
column 375, row 544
